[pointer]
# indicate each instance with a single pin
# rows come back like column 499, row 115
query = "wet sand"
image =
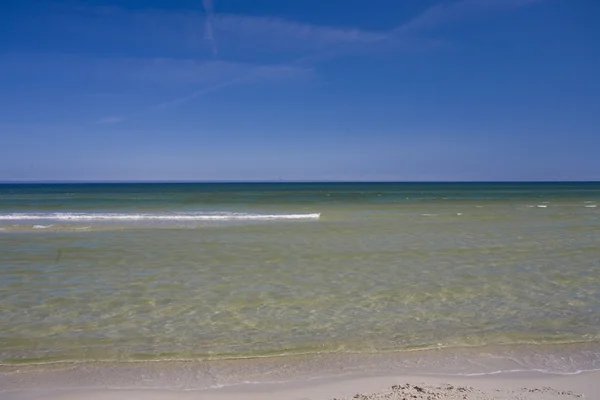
column 505, row 372
column 509, row 386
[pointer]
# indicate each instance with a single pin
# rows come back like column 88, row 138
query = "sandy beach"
column 517, row 386
column 299, row 200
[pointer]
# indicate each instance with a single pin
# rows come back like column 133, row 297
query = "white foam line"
column 513, row 371
column 154, row 217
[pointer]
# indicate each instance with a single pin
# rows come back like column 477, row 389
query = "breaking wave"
column 154, row 217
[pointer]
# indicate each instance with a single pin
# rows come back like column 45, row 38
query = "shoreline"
column 529, row 364
column 500, row 349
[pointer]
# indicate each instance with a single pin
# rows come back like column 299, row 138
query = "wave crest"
column 154, row 217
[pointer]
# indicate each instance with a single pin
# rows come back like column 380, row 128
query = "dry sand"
column 515, row 386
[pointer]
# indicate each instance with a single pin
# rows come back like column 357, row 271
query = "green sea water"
column 121, row 272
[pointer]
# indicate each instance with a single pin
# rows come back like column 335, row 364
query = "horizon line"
column 33, row 182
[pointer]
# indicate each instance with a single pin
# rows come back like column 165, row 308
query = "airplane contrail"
column 208, row 28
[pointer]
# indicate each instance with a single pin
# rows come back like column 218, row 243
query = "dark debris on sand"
column 451, row 392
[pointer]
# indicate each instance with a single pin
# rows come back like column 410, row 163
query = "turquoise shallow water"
column 122, row 272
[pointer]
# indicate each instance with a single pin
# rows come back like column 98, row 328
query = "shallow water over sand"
column 293, row 269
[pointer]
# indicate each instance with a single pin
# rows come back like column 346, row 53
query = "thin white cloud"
column 188, row 97
column 186, row 71
column 257, row 73
column 458, row 10
column 281, row 32
column 208, row 28
column 185, row 34
column 120, row 73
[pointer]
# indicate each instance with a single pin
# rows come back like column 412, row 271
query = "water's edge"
column 206, row 374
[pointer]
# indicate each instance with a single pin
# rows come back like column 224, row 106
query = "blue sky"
column 300, row 90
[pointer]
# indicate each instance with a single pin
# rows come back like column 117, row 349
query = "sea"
column 118, row 273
